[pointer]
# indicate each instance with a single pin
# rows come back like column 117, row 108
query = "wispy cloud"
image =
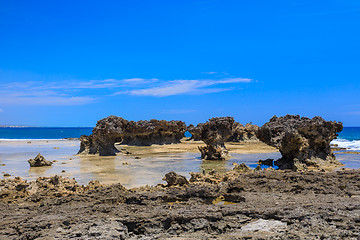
column 179, row 87
column 210, row 73
column 69, row 93
column 140, row 80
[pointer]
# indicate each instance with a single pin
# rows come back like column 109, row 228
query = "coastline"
column 233, row 205
column 144, row 165
column 225, row 204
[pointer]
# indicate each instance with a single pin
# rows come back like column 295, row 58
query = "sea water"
column 349, row 138
column 13, row 133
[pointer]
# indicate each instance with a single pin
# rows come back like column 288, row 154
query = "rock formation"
column 114, row 129
column 195, row 131
column 214, row 133
column 173, row 179
column 240, row 133
column 302, row 141
column 39, row 161
column 241, row 168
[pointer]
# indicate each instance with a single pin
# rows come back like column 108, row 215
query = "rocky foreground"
column 235, row 205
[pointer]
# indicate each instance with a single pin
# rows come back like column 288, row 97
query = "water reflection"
column 149, row 166
column 209, row 165
column 38, row 171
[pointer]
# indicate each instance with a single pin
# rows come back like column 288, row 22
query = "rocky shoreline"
column 264, row 204
column 301, row 200
column 303, row 142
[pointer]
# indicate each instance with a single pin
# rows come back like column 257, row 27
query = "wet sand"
column 192, row 147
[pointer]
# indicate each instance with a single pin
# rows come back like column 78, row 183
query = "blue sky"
column 71, row 63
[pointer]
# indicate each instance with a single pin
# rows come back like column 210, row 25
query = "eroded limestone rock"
column 214, row 133
column 241, row 133
column 173, row 178
column 303, row 142
column 39, row 161
column 195, row 131
column 241, row 168
column 114, row 129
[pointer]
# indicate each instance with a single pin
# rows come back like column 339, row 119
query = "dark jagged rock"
column 267, row 162
column 241, row 133
column 39, row 161
column 114, row 129
column 302, row 141
column 214, row 133
column 173, row 178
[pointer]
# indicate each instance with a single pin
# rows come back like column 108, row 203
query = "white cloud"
column 1, row 110
column 68, row 93
column 178, row 87
column 235, row 80
column 210, row 73
column 137, row 81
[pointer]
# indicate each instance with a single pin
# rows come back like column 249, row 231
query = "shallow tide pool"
column 124, row 169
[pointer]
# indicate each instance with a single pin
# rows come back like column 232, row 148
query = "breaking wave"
column 349, row 145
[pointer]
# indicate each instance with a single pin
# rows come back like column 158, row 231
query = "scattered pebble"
column 7, row 175
column 125, row 163
column 29, row 142
column 63, row 171
column 63, row 163
column 3, row 164
column 56, row 148
column 137, row 157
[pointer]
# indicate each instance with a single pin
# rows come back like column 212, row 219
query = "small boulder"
column 173, row 178
column 267, row 162
column 241, row 168
column 39, row 161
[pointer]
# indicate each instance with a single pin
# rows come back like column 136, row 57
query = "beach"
column 168, row 192
column 201, row 119
column 146, row 165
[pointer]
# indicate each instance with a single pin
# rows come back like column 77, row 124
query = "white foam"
column 349, row 145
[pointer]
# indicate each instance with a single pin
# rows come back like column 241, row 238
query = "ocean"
column 349, row 138
column 32, row 133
